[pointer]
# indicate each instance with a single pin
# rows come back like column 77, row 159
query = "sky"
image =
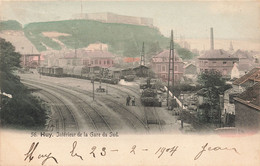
column 231, row 20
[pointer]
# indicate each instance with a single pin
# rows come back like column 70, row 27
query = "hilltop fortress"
column 108, row 17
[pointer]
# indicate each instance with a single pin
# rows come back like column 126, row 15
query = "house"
column 190, row 69
column 247, row 108
column 239, row 86
column 246, row 61
column 99, row 58
column 160, row 66
column 219, row 60
column 248, row 79
column 70, row 61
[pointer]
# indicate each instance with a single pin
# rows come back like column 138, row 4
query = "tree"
column 215, row 85
column 131, row 49
column 154, row 48
column 21, row 108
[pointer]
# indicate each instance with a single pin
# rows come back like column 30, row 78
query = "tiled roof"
column 165, row 54
column 254, row 74
column 190, row 64
column 100, row 54
column 217, row 54
column 251, row 96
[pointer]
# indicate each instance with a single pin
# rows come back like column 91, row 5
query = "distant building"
column 30, row 56
column 160, row 65
column 219, row 60
column 70, row 61
column 247, row 108
column 190, row 69
column 102, row 59
column 116, row 18
column 246, row 61
column 235, row 72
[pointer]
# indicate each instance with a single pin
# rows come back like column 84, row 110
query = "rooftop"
column 251, row 96
column 165, row 54
column 254, row 75
column 242, row 54
column 217, row 54
column 100, row 54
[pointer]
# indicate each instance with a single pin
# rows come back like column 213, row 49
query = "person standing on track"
column 133, row 101
column 128, row 100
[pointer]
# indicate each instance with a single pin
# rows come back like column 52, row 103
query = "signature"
column 30, row 154
column 217, row 148
column 73, row 153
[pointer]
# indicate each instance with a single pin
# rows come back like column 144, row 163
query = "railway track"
column 152, row 118
column 137, row 122
column 126, row 115
column 66, row 116
column 95, row 118
column 129, row 116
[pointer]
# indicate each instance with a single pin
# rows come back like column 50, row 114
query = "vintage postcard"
column 130, row 83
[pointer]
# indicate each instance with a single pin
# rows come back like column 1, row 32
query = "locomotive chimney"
column 211, row 39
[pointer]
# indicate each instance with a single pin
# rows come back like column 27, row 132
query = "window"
column 159, row 68
column 163, row 68
column 224, row 63
column 214, row 63
column 96, row 61
column 100, row 62
column 105, row 62
column 163, row 76
column 68, row 62
column 108, row 62
column 92, row 62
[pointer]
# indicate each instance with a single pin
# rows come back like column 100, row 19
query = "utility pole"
column 142, row 60
column 92, row 81
column 171, row 68
column 142, row 56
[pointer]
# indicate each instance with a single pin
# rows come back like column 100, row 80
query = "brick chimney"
column 211, row 39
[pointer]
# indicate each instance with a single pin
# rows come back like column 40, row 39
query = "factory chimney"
column 211, row 39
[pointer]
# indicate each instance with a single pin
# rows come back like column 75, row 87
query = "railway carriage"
column 56, row 71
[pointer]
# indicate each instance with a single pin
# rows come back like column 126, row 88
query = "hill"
column 122, row 39
column 10, row 25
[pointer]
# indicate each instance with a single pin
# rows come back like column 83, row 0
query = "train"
column 95, row 73
column 110, row 75
column 149, row 96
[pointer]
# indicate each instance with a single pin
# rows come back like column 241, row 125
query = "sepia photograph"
column 110, row 82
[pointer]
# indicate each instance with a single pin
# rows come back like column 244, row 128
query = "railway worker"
column 128, row 100
column 160, row 101
column 133, row 101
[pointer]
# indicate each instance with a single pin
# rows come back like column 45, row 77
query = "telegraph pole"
column 92, row 81
column 142, row 56
column 171, row 67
